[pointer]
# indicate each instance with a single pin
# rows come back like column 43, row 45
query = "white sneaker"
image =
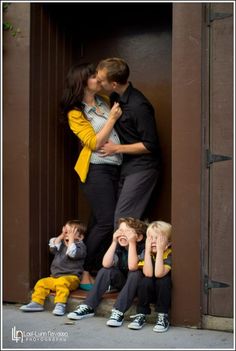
column 116, row 319
column 32, row 307
column 162, row 324
column 60, row 309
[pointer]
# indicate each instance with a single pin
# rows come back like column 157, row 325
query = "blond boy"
column 155, row 287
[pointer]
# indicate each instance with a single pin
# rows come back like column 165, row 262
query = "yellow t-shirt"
column 166, row 258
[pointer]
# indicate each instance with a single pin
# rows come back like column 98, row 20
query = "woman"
column 91, row 119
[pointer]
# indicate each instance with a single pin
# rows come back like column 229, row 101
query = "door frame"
column 211, row 285
column 186, row 162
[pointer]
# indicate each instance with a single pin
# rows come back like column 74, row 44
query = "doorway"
column 143, row 38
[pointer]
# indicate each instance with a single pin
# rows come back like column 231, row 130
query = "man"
column 139, row 140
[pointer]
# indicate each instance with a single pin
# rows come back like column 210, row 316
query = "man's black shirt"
column 137, row 124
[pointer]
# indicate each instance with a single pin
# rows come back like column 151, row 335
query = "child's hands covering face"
column 63, row 232
column 125, row 234
column 131, row 235
column 148, row 243
column 117, row 234
column 161, row 241
column 156, row 241
column 72, row 234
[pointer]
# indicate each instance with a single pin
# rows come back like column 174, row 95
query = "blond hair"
column 164, row 227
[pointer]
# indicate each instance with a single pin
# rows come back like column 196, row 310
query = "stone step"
column 104, row 309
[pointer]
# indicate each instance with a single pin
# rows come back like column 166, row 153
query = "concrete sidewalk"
column 43, row 330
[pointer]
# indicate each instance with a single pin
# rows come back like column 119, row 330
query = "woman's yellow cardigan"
column 85, row 132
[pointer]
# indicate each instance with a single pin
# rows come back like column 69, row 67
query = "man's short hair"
column 117, row 69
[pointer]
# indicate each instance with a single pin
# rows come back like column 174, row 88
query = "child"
column 66, row 269
column 120, row 269
column 156, row 284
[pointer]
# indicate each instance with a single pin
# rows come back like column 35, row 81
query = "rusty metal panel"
column 186, row 163
column 220, row 300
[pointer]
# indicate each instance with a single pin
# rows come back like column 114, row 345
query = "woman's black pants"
column 100, row 190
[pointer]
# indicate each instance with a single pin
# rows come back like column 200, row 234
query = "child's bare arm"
column 132, row 250
column 148, row 266
column 75, row 249
column 160, row 269
column 108, row 258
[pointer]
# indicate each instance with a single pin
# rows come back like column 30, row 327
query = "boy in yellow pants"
column 66, row 269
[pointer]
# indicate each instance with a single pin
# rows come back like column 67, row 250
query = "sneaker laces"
column 161, row 318
column 82, row 308
column 138, row 317
column 116, row 314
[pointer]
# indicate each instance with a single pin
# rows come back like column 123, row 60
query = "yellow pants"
column 61, row 285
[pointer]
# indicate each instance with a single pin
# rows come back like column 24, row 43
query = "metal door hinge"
column 212, row 16
column 218, row 15
column 211, row 158
column 212, row 284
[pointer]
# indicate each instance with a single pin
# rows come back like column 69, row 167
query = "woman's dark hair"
column 76, row 82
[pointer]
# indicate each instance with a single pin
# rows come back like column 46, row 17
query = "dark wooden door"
column 218, row 248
